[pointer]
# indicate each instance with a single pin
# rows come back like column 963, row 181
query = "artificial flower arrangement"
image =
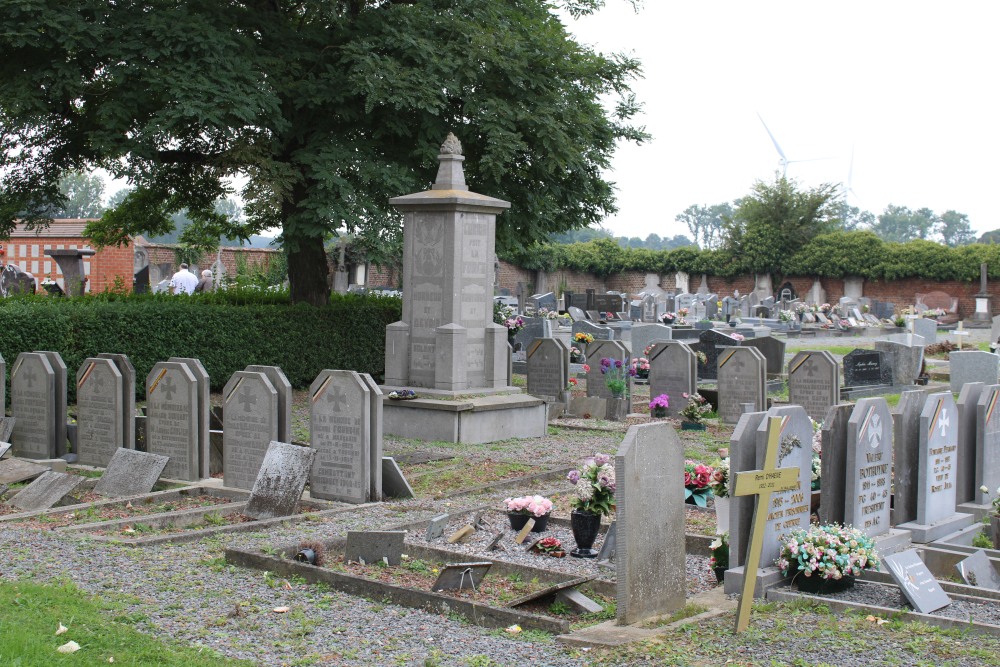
column 669, row 317
column 933, row 312
column 697, row 477
column 817, row 466
column 996, row 499
column 828, row 551
column 575, row 354
column 696, row 409
column 584, row 338
column 641, row 367
column 616, row 373
column 825, row 308
column 402, row 394
column 550, row 546
column 817, row 452
column 536, row 506
column 738, row 337
column 719, row 483
column 595, row 485
column 572, row 384
column 785, row 316
column 702, row 358
column 800, row 308
column 720, row 552
column 658, row 406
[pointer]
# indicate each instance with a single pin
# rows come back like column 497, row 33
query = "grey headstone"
column 864, row 368
column 250, row 425
column 340, row 432
column 978, row 570
column 394, row 484
column 578, row 601
column 773, row 350
column 973, row 366
column 33, row 405
column 595, row 330
column 547, row 300
column 644, row 335
column 647, row 311
column 742, row 379
column 6, row 428
column 13, row 471
column 916, row 581
column 596, row 381
column 869, row 467
column 906, row 447
column 374, row 545
column 814, row 382
column 4, row 448
column 61, row 388
column 284, row 388
column 548, row 368
column 833, row 465
column 968, row 415
column 99, row 412
column 456, row 576
column 926, row 328
column 127, row 370
column 610, row 544
column 988, row 444
column 906, row 360
column 46, row 491
column 281, row 481
column 936, row 458
column 204, row 405
column 130, row 473
column 375, row 436
column 649, row 468
column 436, row 526
column 172, row 423
column 710, row 343
column 995, row 329
column 672, row 371
column 576, row 314
column 742, row 457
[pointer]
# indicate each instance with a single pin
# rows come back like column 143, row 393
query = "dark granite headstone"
column 374, row 545
column 916, row 582
column 250, row 425
column 709, row 342
column 281, row 481
column 130, row 473
column 978, row 570
column 46, row 491
column 99, row 412
column 866, row 368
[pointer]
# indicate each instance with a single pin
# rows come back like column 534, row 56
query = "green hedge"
column 226, row 337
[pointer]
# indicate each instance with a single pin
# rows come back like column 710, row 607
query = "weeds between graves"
column 118, row 511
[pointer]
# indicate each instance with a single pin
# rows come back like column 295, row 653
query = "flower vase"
column 692, row 426
column 586, row 526
column 518, row 520
column 617, row 409
column 721, row 515
column 817, row 584
column 720, row 574
column 995, row 527
column 659, row 413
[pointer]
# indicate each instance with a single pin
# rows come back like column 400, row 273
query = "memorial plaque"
column 456, row 576
column 548, row 368
column 374, row 545
column 284, row 388
column 867, row 368
column 130, row 473
column 869, row 467
column 916, row 582
column 250, row 424
column 47, row 490
column 340, row 424
column 710, row 343
column 742, row 380
column 99, row 412
column 672, row 371
column 988, row 444
column 127, row 370
column 33, row 405
column 814, row 382
column 172, row 419
column 61, row 389
column 938, row 444
column 202, row 410
column 280, row 482
column 978, row 570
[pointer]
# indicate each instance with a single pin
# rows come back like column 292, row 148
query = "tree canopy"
column 328, row 107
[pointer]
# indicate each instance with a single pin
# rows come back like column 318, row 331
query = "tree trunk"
column 307, row 271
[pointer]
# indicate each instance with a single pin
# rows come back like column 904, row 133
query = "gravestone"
column 6, row 428
column 547, row 300
column 4, row 448
column 534, row 327
column 926, row 328
column 867, row 368
column 127, row 371
column 596, row 381
column 973, row 366
column 394, row 484
column 374, row 545
column 47, row 490
column 742, row 379
column 548, row 369
column 375, row 436
column 644, row 335
column 436, row 526
column 649, row 517
column 709, row 343
column 607, row 303
column 61, row 390
column 18, row 470
column 672, row 371
column 906, row 427
column 249, row 426
column 773, row 350
column 937, row 471
column 742, row 457
column 598, row 332
column 33, row 406
column 130, row 473
column 916, row 582
column 340, row 432
column 684, row 300
column 988, row 444
column 906, row 360
column 100, row 417
column 814, row 382
column 833, row 464
column 172, row 404
column 202, row 410
column 869, row 467
column 284, row 388
column 576, row 314
column 965, row 456
column 280, row 482
column 978, row 570
column 648, row 309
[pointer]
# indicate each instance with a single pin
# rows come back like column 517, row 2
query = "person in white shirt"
column 183, row 282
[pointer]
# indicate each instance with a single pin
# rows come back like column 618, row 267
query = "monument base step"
column 894, row 541
column 924, row 533
column 430, row 392
column 976, row 510
column 470, row 420
column 767, row 577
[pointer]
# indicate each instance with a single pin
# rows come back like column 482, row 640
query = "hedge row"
column 836, row 255
column 302, row 340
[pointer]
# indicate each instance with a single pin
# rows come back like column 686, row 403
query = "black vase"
column 586, row 526
column 720, row 574
column 517, row 521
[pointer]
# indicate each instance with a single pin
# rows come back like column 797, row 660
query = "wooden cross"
column 760, row 483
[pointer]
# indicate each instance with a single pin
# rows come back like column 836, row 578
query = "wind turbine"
column 849, row 186
column 783, row 161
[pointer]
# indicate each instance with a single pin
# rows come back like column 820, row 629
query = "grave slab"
column 130, row 473
column 374, row 545
column 46, row 491
column 978, row 570
column 15, row 470
column 281, row 481
column 916, row 582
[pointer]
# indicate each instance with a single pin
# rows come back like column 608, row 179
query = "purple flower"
column 602, row 459
column 573, row 476
column 618, row 363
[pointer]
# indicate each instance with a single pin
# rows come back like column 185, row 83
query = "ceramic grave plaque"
column 61, row 390
column 130, row 473
column 672, row 371
column 548, row 368
column 127, row 371
column 814, row 382
column 284, row 388
column 742, row 379
column 869, row 466
column 33, row 405
column 250, row 424
column 916, row 581
column 340, row 424
column 172, row 419
column 99, row 412
column 280, row 481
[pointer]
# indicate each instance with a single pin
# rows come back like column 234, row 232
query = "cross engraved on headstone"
column 29, row 377
column 738, row 364
column 873, row 426
column 169, row 388
column 761, row 483
column 336, row 397
column 247, row 399
column 99, row 385
column 943, row 422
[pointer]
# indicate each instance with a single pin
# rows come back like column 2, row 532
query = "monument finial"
column 451, row 145
column 450, row 175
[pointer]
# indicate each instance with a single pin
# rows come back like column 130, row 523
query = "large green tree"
column 328, row 107
column 955, row 229
column 901, row 224
column 83, row 196
column 706, row 223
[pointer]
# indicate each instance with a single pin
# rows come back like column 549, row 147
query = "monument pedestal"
column 984, row 308
column 924, row 533
column 976, row 510
column 894, row 541
column 475, row 419
column 767, row 577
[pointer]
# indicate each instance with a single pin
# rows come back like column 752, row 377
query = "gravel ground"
column 892, row 598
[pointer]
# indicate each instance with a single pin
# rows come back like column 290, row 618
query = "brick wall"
column 27, row 251
column 162, row 254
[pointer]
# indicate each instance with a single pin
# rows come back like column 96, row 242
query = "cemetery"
column 523, row 481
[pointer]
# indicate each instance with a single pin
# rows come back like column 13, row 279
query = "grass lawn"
column 31, row 613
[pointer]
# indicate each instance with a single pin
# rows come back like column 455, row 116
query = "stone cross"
column 761, row 483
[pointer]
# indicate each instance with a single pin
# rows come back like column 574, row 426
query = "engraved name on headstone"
column 33, row 405
column 99, row 411
column 340, row 419
column 172, row 419
column 869, row 466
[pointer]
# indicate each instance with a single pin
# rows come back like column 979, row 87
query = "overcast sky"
column 910, row 86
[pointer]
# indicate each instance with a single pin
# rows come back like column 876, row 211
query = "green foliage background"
column 226, row 331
